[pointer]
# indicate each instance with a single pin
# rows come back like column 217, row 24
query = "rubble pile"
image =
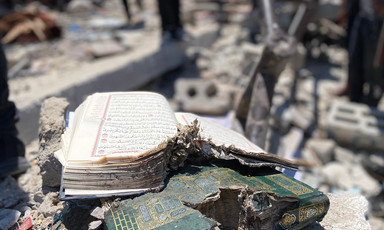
column 350, row 174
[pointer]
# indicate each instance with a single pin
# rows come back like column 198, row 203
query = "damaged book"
column 212, row 197
column 122, row 143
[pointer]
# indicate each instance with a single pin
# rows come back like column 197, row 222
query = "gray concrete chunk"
column 51, row 128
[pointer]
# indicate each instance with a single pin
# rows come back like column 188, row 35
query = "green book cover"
column 202, row 197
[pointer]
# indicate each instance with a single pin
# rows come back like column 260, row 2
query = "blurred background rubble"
column 52, row 46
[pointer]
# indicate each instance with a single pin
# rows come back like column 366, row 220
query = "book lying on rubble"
column 122, row 143
column 205, row 197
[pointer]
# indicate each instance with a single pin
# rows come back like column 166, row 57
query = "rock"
column 345, row 156
column 367, row 184
column 38, row 197
column 323, row 148
column 45, row 222
column 8, row 218
column 299, row 119
column 105, row 48
column 95, row 225
column 203, row 64
column 49, row 206
column 346, row 211
column 51, row 128
column 337, row 175
column 98, row 213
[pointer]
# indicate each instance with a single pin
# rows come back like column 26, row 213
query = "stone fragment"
column 366, row 183
column 105, row 48
column 49, row 206
column 324, row 149
column 337, row 175
column 51, row 128
column 98, row 213
column 8, row 218
column 203, row 64
column 95, row 225
column 345, row 156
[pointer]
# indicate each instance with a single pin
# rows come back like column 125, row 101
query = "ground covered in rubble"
column 216, row 74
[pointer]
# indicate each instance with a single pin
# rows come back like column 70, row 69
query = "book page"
column 218, row 134
column 120, row 125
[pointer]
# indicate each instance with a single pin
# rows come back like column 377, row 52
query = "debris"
column 98, row 213
column 105, row 48
column 95, row 225
column 50, row 205
column 202, row 97
column 324, row 149
column 51, row 128
column 27, row 224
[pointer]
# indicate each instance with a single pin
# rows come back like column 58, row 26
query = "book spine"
column 310, row 210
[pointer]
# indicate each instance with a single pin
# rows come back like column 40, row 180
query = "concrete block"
column 201, row 96
column 356, row 125
column 51, row 128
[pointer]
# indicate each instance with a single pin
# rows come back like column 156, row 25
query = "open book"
column 123, row 143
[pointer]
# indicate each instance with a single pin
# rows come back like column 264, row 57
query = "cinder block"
column 357, row 125
column 201, row 96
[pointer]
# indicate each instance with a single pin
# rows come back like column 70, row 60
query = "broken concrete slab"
column 202, row 97
column 51, row 128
